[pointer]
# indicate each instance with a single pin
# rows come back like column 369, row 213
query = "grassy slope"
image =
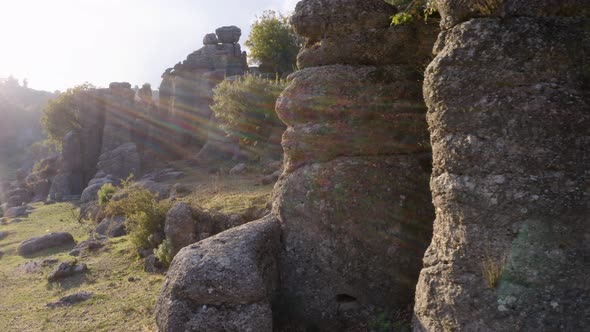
column 117, row 305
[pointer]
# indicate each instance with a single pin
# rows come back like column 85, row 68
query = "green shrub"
column 246, row 107
column 144, row 213
column 105, row 193
column 62, row 114
column 273, row 43
column 411, row 10
column 164, row 253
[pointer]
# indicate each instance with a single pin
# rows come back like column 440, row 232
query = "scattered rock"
column 223, row 283
column 180, row 190
column 272, row 178
column 36, row 266
column 180, row 227
column 52, row 240
column 72, row 299
column 153, row 265
column 67, row 269
column 3, row 221
column 240, row 168
column 17, row 211
column 88, row 245
column 1, row 254
column 112, row 227
column 17, row 220
column 3, row 235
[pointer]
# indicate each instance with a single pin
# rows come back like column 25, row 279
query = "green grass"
column 117, row 305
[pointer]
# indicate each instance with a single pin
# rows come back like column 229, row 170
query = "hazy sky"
column 57, row 44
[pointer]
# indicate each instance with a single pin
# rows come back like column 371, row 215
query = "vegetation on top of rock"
column 273, row 43
column 246, row 107
column 62, row 114
column 411, row 10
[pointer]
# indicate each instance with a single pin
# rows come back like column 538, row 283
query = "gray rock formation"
column 121, row 161
column 508, row 112
column 51, row 240
column 224, row 283
column 188, row 88
column 353, row 201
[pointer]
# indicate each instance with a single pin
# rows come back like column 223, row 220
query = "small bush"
column 164, row 253
column 144, row 213
column 105, row 193
column 246, row 107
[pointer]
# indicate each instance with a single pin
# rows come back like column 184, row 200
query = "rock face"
column 224, row 283
column 353, row 200
column 508, row 112
column 52, row 240
column 187, row 89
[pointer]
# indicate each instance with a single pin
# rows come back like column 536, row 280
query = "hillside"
column 20, row 111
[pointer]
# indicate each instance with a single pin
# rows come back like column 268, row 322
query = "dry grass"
column 492, row 269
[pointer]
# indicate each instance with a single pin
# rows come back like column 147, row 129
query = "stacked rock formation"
column 353, row 201
column 187, row 89
column 509, row 101
column 353, row 206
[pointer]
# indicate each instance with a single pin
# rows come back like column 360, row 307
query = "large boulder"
column 508, row 112
column 228, row 34
column 186, row 225
column 224, row 283
column 52, row 240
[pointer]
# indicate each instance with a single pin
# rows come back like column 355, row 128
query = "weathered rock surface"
column 229, row 34
column 454, row 12
column 224, row 283
column 353, row 200
column 508, row 112
column 356, row 32
column 51, row 240
column 121, row 161
column 186, row 225
column 180, row 228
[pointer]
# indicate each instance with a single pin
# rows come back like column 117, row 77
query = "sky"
column 58, row 44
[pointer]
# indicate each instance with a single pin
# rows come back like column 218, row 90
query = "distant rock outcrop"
column 509, row 101
column 187, row 90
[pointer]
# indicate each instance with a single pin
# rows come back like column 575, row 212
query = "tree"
column 273, row 43
column 246, row 107
column 62, row 114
